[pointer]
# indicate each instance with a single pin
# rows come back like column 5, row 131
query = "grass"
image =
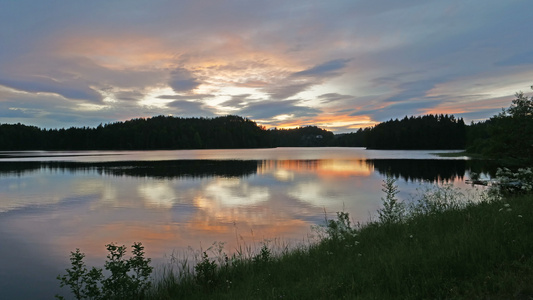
column 479, row 250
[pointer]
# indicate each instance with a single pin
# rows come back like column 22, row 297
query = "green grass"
column 479, row 251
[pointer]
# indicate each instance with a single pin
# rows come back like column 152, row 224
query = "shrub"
column 128, row 279
column 393, row 210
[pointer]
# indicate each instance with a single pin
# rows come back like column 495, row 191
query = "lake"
column 54, row 202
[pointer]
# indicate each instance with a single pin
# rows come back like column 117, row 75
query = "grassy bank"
column 476, row 251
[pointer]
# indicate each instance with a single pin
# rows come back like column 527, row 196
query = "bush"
column 128, row 279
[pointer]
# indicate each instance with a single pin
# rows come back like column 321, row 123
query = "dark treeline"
column 166, row 132
column 310, row 136
column 161, row 132
column 423, row 132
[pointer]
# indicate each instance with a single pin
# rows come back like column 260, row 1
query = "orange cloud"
column 118, row 52
column 470, row 106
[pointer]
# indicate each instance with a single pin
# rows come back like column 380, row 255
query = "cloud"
column 300, row 81
column 68, row 89
column 189, row 109
column 268, row 109
column 237, row 100
column 517, row 59
column 325, row 70
column 334, row 97
column 103, row 60
column 186, row 97
column 182, row 80
column 284, row 91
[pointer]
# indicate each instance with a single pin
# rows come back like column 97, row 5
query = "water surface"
column 54, row 202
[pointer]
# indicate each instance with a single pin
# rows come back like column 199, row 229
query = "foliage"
column 393, row 210
column 83, row 283
column 128, row 279
column 425, row 132
column 341, row 228
column 308, row 136
column 227, row 132
column 509, row 182
column 437, row 200
column 507, row 135
column 160, row 132
column 205, row 271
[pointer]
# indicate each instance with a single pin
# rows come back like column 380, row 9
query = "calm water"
column 54, row 202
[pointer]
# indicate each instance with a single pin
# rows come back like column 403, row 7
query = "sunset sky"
column 340, row 65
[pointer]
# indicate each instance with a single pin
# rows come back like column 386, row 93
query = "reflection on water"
column 154, row 169
column 48, row 208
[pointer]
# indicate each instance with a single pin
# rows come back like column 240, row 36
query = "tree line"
column 422, row 132
column 162, row 132
column 508, row 134
column 166, row 132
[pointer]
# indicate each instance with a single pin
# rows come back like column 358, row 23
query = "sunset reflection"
column 284, row 169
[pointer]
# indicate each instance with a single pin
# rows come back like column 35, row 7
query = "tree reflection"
column 155, row 169
column 432, row 170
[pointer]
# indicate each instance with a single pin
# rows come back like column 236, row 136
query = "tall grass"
column 443, row 247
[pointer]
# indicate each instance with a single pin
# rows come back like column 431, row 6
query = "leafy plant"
column 205, row 271
column 83, row 282
column 393, row 210
column 438, row 199
column 128, row 279
column 264, row 256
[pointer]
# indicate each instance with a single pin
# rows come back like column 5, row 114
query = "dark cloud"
column 69, row 89
column 269, row 108
column 190, row 108
column 129, row 96
column 186, row 97
column 182, row 80
column 284, row 91
column 237, row 100
column 334, row 97
column 325, row 70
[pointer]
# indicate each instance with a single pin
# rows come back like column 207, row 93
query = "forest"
column 162, row 132
column 508, row 134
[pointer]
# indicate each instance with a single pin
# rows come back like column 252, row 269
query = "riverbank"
column 475, row 251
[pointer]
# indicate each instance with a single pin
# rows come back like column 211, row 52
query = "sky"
column 339, row 65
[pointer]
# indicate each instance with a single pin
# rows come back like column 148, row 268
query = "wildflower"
column 411, row 236
column 507, row 205
column 520, row 216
